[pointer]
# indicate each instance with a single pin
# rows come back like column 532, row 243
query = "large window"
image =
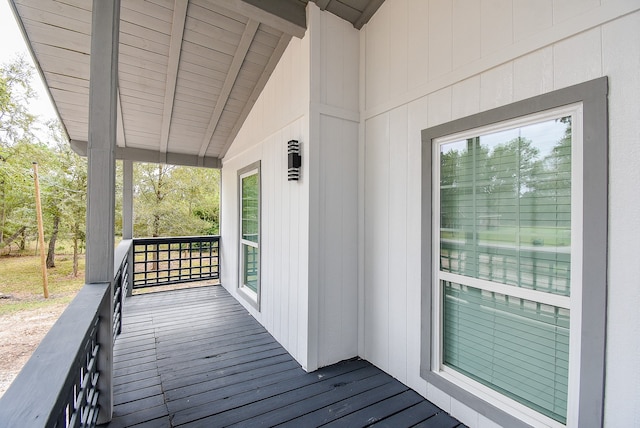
column 249, row 186
column 508, row 258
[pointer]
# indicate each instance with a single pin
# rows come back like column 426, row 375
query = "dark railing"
column 166, row 261
column 59, row 385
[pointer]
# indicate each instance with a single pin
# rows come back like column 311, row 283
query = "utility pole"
column 43, row 256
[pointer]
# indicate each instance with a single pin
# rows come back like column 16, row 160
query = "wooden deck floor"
column 196, row 358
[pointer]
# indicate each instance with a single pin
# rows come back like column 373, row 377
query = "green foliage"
column 16, row 123
column 169, row 200
column 175, row 201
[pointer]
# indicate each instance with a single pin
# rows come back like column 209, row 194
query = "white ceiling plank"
column 241, row 52
column 143, row 20
column 128, row 40
column 177, row 32
column 149, row 8
column 145, row 33
column 150, row 73
column 67, row 17
column 141, row 57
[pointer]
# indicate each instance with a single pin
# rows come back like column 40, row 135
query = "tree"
column 175, row 201
column 16, row 129
column 65, row 194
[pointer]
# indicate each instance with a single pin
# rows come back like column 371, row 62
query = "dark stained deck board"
column 196, row 358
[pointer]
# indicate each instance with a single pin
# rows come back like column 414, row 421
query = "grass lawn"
column 21, row 282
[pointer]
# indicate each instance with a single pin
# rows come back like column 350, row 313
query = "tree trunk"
column 3, row 216
column 14, row 236
column 23, row 239
column 51, row 254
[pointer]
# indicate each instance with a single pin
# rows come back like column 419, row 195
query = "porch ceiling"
column 189, row 70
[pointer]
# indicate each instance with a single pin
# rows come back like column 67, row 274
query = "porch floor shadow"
column 196, row 358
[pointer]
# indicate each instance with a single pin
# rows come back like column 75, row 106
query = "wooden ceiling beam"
column 153, row 156
column 322, row 4
column 175, row 47
column 288, row 16
column 232, row 74
column 368, row 12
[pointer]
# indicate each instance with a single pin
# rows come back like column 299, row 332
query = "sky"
column 11, row 45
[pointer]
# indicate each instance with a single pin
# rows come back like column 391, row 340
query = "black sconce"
column 294, row 160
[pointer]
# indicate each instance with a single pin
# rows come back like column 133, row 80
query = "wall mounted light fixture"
column 294, row 160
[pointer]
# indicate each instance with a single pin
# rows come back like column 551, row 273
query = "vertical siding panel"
column 398, row 43
column 418, row 43
column 465, row 98
column 496, row 20
column 303, row 247
column 377, row 60
column 440, row 38
column 577, row 59
column 349, row 290
column 268, row 196
column 416, row 122
column 621, row 62
column 331, row 63
column 439, row 107
column 287, row 258
column 533, row 74
column 294, row 257
column 496, row 87
column 279, row 261
column 350, row 45
column 466, row 30
column 330, row 273
column 531, row 17
column 398, row 243
column 567, row 9
column 377, row 241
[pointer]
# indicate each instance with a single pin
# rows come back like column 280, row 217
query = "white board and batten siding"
column 429, row 62
column 309, row 294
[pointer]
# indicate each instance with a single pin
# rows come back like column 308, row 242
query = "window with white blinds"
column 504, row 198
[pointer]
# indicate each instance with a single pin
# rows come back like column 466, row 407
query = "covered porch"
column 195, row 357
column 173, row 82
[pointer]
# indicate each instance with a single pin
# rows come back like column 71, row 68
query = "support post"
column 101, row 180
column 127, row 199
column 127, row 215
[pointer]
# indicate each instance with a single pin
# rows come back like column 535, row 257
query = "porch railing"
column 59, row 385
column 166, row 261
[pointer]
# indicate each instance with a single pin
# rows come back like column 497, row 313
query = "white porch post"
column 127, row 214
column 127, row 199
column 101, row 178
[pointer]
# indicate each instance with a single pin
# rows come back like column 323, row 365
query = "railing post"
column 101, row 180
column 130, row 270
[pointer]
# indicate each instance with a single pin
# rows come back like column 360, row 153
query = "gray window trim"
column 593, row 96
column 241, row 291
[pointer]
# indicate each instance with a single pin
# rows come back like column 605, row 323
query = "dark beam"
column 368, row 12
column 292, row 12
column 153, row 156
